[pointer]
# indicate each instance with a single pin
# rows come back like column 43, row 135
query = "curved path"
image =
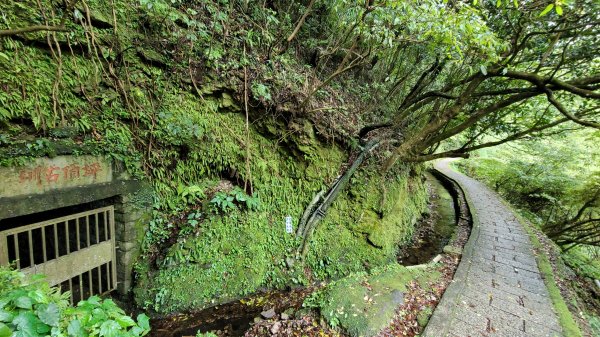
column 497, row 289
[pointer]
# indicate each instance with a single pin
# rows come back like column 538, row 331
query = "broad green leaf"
column 547, row 9
column 38, row 296
column 27, row 324
column 24, row 302
column 498, row 3
column 143, row 321
column 75, row 329
column 5, row 331
column 483, row 70
column 136, row 331
column 49, row 313
column 5, row 316
column 110, row 329
column 125, row 321
column 94, row 300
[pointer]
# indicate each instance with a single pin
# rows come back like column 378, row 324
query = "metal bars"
column 76, row 251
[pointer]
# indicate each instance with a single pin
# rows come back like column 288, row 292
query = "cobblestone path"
column 497, row 289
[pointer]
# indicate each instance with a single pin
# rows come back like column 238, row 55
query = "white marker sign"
column 288, row 225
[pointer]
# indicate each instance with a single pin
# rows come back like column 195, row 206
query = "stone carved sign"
column 44, row 174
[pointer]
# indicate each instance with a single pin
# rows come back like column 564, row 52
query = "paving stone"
column 498, row 290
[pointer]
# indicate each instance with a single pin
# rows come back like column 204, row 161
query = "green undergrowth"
column 584, row 261
column 30, row 307
column 220, row 255
column 160, row 93
column 363, row 304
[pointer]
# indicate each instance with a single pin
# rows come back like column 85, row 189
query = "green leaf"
column 49, row 314
column 547, row 9
column 110, row 329
column 75, row 329
column 5, row 331
column 483, row 69
column 28, row 324
column 94, row 300
column 5, row 316
column 143, row 321
column 137, row 331
column 125, row 321
column 24, row 302
column 38, row 296
column 559, row 10
column 498, row 3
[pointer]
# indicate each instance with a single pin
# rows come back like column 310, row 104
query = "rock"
column 289, row 262
column 285, row 316
column 397, row 298
column 98, row 18
column 450, row 250
column 268, row 314
column 275, row 328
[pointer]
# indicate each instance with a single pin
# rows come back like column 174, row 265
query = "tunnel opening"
column 73, row 246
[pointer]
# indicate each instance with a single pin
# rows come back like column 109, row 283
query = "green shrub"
column 31, row 308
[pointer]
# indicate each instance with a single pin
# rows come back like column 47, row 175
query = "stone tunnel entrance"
column 77, row 220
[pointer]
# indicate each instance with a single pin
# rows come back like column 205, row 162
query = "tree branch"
column 301, row 22
column 567, row 114
column 33, row 29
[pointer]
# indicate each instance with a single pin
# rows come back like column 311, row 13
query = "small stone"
column 450, row 250
column 268, row 314
column 285, row 316
column 275, row 328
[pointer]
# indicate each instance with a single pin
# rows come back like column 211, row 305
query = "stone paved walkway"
column 497, row 289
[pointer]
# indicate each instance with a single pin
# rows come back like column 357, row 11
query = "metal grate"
column 76, row 251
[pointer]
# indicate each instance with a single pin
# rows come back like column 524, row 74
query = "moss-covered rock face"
column 239, row 252
column 161, row 91
column 363, row 304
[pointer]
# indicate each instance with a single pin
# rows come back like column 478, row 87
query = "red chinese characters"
column 71, row 172
column 91, row 170
column 54, row 174
column 34, row 175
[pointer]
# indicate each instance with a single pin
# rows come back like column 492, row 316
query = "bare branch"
column 567, row 114
column 32, row 29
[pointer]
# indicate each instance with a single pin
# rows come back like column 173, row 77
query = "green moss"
column 240, row 252
column 363, row 304
column 162, row 129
